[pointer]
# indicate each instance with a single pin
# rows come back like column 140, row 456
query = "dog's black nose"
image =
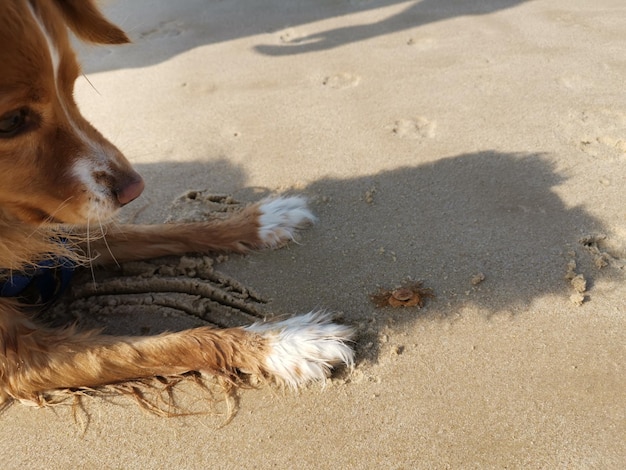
column 130, row 190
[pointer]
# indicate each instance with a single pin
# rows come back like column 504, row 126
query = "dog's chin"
column 40, row 218
column 31, row 216
column 84, row 216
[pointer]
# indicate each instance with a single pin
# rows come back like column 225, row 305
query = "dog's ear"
column 88, row 23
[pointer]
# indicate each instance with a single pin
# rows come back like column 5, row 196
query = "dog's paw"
column 305, row 348
column 280, row 219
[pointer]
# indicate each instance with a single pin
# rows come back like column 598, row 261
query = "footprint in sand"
column 288, row 35
column 603, row 133
column 166, row 29
column 416, row 128
column 422, row 43
column 576, row 83
column 341, row 80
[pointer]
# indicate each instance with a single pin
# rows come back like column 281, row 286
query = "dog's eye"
column 13, row 122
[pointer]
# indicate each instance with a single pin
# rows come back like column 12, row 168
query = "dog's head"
column 54, row 166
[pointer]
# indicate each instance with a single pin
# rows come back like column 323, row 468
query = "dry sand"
column 477, row 145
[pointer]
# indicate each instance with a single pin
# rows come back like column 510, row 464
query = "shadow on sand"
column 443, row 222
column 175, row 27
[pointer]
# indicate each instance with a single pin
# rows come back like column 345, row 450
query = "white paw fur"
column 305, row 348
column 281, row 218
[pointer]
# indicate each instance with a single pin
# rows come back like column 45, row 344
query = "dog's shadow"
column 483, row 229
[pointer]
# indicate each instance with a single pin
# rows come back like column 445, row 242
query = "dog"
column 58, row 177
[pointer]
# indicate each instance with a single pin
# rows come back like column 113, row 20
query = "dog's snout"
column 130, row 190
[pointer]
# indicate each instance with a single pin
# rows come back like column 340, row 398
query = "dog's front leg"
column 267, row 224
column 35, row 360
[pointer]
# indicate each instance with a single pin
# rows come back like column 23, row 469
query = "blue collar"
column 40, row 284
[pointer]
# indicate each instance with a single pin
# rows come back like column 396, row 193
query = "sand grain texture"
column 436, row 139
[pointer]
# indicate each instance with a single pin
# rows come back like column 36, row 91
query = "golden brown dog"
column 58, row 174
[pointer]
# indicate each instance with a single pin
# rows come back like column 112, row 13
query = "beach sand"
column 478, row 146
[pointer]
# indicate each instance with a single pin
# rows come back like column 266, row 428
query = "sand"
column 437, row 140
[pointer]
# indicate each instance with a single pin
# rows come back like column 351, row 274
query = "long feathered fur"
column 58, row 173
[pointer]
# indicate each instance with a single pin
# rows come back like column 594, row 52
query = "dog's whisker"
column 42, row 227
column 91, row 84
column 48, row 219
column 89, row 256
column 51, row 217
column 106, row 243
